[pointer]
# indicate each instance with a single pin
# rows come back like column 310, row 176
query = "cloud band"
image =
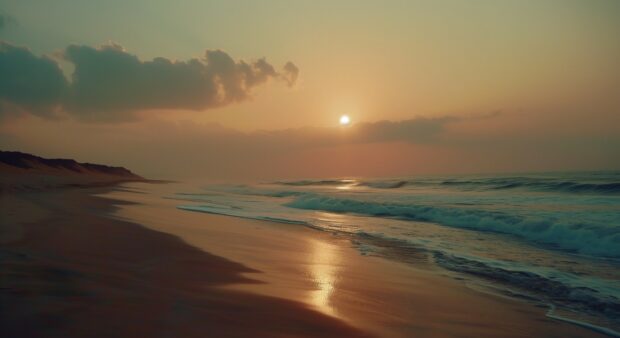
column 108, row 83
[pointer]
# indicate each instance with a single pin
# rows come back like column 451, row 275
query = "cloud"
column 419, row 130
column 28, row 82
column 290, row 73
column 2, row 21
column 108, row 83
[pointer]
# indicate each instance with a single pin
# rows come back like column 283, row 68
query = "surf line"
column 551, row 314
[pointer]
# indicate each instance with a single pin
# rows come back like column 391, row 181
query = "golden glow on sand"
column 324, row 272
column 344, row 120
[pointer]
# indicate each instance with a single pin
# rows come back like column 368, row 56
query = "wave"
column 238, row 213
column 539, row 184
column 316, row 182
column 583, row 296
column 589, row 238
column 590, row 183
column 545, row 285
column 340, row 182
column 385, row 184
column 557, row 291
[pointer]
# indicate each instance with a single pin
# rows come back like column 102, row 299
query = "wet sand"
column 376, row 295
column 69, row 270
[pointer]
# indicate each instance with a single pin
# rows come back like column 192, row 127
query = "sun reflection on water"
column 347, row 184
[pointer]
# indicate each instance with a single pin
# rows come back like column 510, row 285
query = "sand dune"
column 21, row 171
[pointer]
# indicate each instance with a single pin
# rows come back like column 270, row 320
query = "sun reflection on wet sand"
column 324, row 271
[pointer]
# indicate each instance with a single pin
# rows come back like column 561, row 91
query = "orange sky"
column 476, row 86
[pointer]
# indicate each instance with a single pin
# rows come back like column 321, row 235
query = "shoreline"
column 69, row 270
column 381, row 296
column 120, row 260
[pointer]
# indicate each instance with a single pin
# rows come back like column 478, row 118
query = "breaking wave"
column 539, row 184
column 584, row 237
column 547, row 285
column 605, row 183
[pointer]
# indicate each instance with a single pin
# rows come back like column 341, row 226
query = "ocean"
column 548, row 238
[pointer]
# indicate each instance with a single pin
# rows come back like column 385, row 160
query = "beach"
column 391, row 169
column 327, row 274
column 123, row 261
column 69, row 270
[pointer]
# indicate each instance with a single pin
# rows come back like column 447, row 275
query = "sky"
column 254, row 89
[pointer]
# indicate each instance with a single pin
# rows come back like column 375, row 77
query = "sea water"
column 551, row 238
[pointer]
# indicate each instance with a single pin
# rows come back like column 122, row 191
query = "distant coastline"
column 21, row 171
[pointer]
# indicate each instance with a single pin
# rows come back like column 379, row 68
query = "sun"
column 344, row 120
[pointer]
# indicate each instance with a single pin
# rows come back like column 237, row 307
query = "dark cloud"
column 290, row 73
column 29, row 82
column 109, row 83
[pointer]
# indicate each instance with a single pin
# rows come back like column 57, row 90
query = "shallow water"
column 551, row 238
